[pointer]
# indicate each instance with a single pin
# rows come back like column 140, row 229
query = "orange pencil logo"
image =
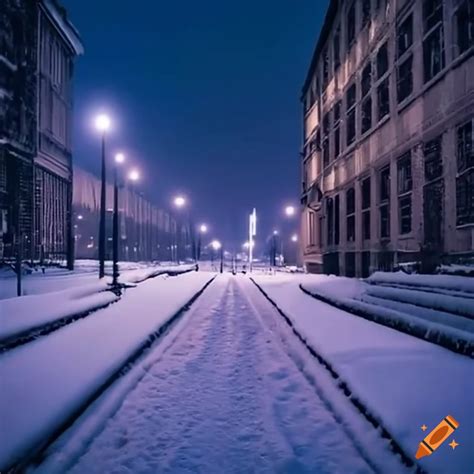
column 437, row 437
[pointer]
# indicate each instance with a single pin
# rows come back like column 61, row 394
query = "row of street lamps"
column 103, row 125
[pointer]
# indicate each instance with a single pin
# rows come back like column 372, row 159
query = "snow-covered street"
column 220, row 373
column 225, row 397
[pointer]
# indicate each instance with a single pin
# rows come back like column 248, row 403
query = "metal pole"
column 198, row 250
column 102, row 215
column 115, row 230
column 18, row 260
column 222, row 259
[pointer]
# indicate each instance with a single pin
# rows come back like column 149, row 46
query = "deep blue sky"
column 205, row 96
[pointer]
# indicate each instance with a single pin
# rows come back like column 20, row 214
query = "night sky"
column 204, row 97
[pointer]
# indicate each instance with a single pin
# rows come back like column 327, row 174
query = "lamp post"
column 119, row 159
column 179, row 202
column 102, row 124
column 274, row 248
column 216, row 245
column 290, row 212
column 202, row 230
column 133, row 177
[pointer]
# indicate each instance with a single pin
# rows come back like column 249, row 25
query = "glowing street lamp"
column 216, row 245
column 290, row 211
column 134, row 175
column 202, row 230
column 119, row 159
column 102, row 123
column 294, row 238
column 179, row 201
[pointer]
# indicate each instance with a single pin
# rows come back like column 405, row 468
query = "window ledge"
column 406, row 236
column 465, row 226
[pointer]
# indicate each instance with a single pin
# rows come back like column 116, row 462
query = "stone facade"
column 388, row 155
column 37, row 49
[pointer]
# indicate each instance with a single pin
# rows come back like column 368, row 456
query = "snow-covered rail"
column 51, row 382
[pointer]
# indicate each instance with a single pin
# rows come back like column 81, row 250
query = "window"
column 311, row 228
column 433, row 159
column 330, row 220
column 350, row 214
column 325, row 142
column 365, row 12
column 337, row 48
column 337, row 129
column 365, row 209
column 384, row 199
column 351, row 109
column 405, row 79
column 383, row 99
column 366, row 114
column 465, row 178
column 405, row 35
column 464, row 19
column 433, row 41
column 382, row 61
column 405, row 183
column 366, row 81
column 325, row 68
column 350, row 33
column 336, row 219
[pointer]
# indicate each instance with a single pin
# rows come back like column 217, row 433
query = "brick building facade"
column 388, row 155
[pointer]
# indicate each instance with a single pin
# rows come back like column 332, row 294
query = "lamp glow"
column 294, row 238
column 179, row 201
column 119, row 158
column 203, row 228
column 216, row 245
column 134, row 175
column 102, row 123
column 290, row 211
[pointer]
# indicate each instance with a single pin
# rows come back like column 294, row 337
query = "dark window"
column 325, row 142
column 337, row 142
column 382, row 61
column 350, row 197
column 351, row 96
column 325, row 68
column 433, row 42
column 465, row 147
column 350, row 33
column 384, row 221
column 351, row 228
column 330, row 220
column 337, row 112
column 465, row 26
column 337, row 48
column 350, row 107
column 366, row 114
column 433, row 159
column 336, row 219
column 432, row 13
column 405, row 35
column 465, row 178
column 383, row 99
column 366, row 193
column 366, row 81
column 365, row 188
column 350, row 264
column 465, row 198
column 365, row 12
column 385, row 184
column 312, row 228
column 366, row 225
column 404, row 174
column 405, row 214
column 405, row 79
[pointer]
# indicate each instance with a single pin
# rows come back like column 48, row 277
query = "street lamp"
column 133, row 176
column 294, row 238
column 202, row 230
column 216, row 245
column 290, row 211
column 119, row 159
column 102, row 124
column 179, row 202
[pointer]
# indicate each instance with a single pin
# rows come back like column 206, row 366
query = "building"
column 388, row 155
column 146, row 233
column 37, row 51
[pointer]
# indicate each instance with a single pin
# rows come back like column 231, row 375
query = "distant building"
column 38, row 45
column 388, row 155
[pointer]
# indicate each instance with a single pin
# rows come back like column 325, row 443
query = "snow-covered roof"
column 58, row 15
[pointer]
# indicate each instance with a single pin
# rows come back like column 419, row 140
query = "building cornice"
column 57, row 15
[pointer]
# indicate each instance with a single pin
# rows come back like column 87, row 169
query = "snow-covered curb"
column 88, row 356
column 21, row 316
column 450, row 338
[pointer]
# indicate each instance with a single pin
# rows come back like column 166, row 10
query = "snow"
column 51, row 378
column 404, row 381
column 220, row 395
column 21, row 315
column 450, row 282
